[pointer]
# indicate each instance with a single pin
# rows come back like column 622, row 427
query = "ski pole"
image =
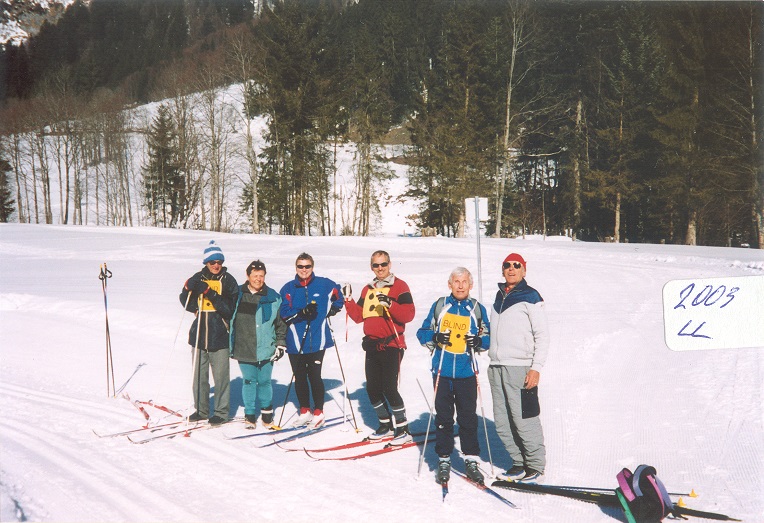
column 429, row 420
column 691, row 494
column 104, row 275
column 196, row 371
column 344, row 382
column 482, row 411
column 397, row 340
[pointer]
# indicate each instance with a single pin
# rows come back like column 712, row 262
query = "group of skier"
column 256, row 326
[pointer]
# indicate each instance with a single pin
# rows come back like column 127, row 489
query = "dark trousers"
column 459, row 393
column 307, row 378
column 382, row 368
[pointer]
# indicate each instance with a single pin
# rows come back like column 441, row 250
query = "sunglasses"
column 215, row 262
column 378, row 265
column 304, row 266
column 507, row 265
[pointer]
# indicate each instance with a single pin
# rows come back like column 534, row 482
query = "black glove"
column 384, row 300
column 474, row 343
column 196, row 284
column 279, row 353
column 309, row 312
column 443, row 338
column 192, row 281
column 334, row 310
column 347, row 291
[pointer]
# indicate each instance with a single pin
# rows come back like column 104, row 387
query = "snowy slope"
column 612, row 394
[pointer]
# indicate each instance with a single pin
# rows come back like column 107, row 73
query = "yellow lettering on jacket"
column 459, row 327
column 371, row 305
column 215, row 285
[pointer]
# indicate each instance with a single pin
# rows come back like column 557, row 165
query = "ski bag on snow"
column 642, row 495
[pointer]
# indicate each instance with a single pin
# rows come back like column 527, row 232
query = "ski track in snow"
column 612, row 394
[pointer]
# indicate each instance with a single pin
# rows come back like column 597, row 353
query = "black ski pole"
column 104, row 275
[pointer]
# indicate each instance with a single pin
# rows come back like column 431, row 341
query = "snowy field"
column 612, row 394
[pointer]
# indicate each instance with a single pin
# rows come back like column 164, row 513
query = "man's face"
column 256, row 280
column 513, row 272
column 380, row 265
column 304, row 269
column 215, row 266
column 460, row 286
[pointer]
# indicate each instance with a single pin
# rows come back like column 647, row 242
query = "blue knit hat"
column 213, row 252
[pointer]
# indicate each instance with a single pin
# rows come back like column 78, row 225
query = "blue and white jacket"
column 458, row 365
column 296, row 295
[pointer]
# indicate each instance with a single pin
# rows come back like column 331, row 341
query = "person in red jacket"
column 385, row 306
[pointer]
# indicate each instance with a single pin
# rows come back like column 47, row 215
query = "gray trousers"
column 221, row 375
column 523, row 438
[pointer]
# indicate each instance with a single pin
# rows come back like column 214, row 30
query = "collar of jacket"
column 209, row 276
column 516, row 295
column 262, row 292
column 304, row 283
column 385, row 282
column 465, row 303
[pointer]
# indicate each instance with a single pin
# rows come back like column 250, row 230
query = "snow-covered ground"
column 612, row 394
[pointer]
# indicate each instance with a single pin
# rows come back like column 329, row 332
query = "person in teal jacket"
column 258, row 340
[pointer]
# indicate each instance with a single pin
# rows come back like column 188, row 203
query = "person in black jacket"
column 211, row 295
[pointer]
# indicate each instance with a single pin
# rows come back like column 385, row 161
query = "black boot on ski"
column 385, row 430
column 473, row 471
column 444, row 471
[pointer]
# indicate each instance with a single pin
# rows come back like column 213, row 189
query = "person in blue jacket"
column 307, row 302
column 258, row 340
column 455, row 329
column 211, row 295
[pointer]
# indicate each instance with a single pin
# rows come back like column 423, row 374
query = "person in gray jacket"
column 258, row 340
column 518, row 351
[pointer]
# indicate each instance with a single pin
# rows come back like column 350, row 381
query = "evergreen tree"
column 163, row 182
column 6, row 193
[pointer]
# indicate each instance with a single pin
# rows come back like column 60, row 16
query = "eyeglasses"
column 507, row 265
column 378, row 265
column 215, row 262
column 304, row 266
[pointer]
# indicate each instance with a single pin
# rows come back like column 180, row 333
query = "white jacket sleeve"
column 540, row 331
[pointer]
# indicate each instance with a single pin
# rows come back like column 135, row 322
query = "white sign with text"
column 714, row 313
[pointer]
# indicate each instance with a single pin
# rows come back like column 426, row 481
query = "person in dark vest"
column 211, row 295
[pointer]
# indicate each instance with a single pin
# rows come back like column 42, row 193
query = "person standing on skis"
column 258, row 340
column 211, row 295
column 307, row 302
column 455, row 330
column 385, row 306
column 518, row 351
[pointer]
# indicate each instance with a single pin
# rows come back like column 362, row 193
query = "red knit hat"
column 514, row 257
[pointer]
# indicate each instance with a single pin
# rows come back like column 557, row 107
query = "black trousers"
column 307, row 378
column 382, row 368
column 461, row 394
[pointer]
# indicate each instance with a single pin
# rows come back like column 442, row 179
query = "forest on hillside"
column 625, row 121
